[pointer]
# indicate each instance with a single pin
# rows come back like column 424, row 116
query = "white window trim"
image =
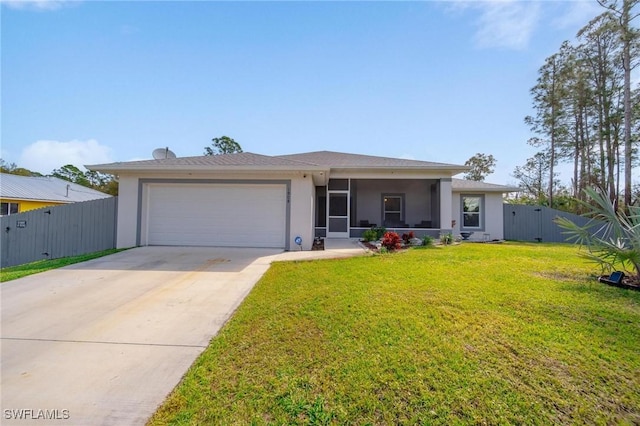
column 481, row 213
column 9, row 203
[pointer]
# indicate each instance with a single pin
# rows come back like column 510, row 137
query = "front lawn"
column 468, row 334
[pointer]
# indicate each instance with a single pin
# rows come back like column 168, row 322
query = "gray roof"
column 344, row 160
column 231, row 161
column 472, row 185
column 310, row 161
column 45, row 188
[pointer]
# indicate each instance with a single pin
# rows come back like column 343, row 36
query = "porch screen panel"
column 338, row 212
column 337, row 224
column 338, row 205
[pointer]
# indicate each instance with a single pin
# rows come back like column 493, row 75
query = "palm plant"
column 612, row 238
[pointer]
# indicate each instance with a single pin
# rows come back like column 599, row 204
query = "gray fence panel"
column 53, row 232
column 535, row 223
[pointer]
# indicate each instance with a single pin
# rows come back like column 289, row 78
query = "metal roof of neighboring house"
column 345, row 160
column 472, row 185
column 45, row 188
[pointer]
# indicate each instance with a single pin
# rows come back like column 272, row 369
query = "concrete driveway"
column 103, row 342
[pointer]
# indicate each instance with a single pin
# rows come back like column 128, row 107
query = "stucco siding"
column 302, row 213
column 446, row 212
column 127, row 230
column 492, row 219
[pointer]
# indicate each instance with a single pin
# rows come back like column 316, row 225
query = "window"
column 8, row 208
column 393, row 214
column 472, row 214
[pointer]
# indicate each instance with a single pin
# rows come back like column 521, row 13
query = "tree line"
column 586, row 113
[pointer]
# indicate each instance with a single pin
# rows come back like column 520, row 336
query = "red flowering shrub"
column 407, row 237
column 391, row 241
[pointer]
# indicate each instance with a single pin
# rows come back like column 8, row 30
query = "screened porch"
column 345, row 208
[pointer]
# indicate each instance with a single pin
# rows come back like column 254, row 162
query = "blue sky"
column 91, row 82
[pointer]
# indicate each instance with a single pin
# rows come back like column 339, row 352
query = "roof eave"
column 153, row 168
column 486, row 190
column 453, row 170
column 36, row 200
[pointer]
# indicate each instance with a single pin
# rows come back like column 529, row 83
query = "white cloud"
column 577, row 14
column 45, row 155
column 501, row 23
column 507, row 24
column 36, row 4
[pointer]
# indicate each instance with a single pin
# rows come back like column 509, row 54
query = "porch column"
column 445, row 205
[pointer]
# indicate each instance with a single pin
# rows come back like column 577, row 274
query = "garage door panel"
column 217, row 215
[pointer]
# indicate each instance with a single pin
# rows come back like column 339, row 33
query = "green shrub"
column 427, row 240
column 446, row 238
column 380, row 231
column 612, row 237
column 370, row 235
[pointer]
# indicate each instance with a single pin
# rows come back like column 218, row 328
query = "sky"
column 88, row 82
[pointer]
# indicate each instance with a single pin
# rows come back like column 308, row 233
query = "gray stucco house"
column 252, row 200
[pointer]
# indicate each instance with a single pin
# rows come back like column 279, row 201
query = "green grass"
column 469, row 334
column 15, row 272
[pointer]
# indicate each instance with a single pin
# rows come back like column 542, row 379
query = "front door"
column 338, row 214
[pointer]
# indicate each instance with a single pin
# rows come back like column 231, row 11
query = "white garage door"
column 217, row 215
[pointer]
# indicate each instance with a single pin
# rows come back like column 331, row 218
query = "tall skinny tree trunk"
column 626, row 64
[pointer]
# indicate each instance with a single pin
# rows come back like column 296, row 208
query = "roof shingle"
column 224, row 160
column 472, row 185
column 345, row 160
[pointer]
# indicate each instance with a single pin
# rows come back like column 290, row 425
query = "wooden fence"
column 53, row 232
column 535, row 223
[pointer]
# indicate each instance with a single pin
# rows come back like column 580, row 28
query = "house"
column 253, row 200
column 23, row 193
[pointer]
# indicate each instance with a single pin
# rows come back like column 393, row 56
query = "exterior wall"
column 302, row 212
column 492, row 215
column 132, row 225
column 26, row 205
column 446, row 212
column 127, row 212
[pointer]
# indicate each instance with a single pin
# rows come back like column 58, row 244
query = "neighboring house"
column 19, row 194
column 251, row 200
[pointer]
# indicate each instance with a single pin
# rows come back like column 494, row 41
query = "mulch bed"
column 375, row 249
